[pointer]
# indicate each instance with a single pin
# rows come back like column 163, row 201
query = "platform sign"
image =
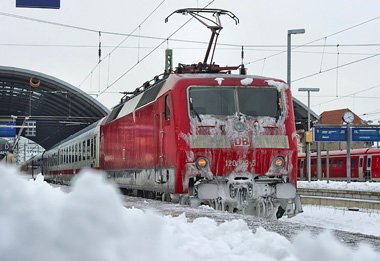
column 365, row 134
column 330, row 134
column 5, row 147
column 52, row 4
column 7, row 132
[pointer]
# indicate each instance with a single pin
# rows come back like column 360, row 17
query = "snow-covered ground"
column 40, row 222
column 365, row 222
column 340, row 185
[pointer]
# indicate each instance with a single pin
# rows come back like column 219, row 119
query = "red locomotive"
column 365, row 165
column 199, row 135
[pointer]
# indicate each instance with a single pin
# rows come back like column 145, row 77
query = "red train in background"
column 365, row 165
column 200, row 135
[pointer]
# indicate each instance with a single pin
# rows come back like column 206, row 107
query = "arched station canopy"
column 58, row 108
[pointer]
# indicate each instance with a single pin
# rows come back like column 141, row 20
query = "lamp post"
column 290, row 32
column 308, row 90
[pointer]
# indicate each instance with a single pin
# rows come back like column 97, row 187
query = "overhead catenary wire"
column 147, row 55
column 308, row 45
column 194, row 41
column 347, row 96
column 338, row 32
column 117, row 46
column 249, row 48
column 336, row 67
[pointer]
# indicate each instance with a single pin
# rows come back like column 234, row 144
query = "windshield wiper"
column 194, row 111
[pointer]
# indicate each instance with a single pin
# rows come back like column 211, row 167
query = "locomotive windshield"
column 249, row 101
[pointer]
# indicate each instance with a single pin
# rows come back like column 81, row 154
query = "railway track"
column 286, row 229
column 353, row 200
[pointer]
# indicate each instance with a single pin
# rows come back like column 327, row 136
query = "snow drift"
column 39, row 222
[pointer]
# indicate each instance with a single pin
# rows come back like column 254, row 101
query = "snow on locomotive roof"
column 157, row 89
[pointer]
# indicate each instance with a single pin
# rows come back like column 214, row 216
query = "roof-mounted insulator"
column 156, row 78
column 146, row 85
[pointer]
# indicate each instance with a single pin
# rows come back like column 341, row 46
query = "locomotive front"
column 237, row 145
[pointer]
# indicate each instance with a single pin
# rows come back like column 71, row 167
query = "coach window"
column 323, row 162
column 79, row 151
column 335, row 163
column 76, row 152
column 340, row 163
column 84, row 150
column 360, row 162
column 95, row 146
column 92, row 148
column 167, row 108
column 88, row 149
column 353, row 163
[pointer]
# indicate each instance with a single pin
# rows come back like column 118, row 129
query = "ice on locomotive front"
column 242, row 155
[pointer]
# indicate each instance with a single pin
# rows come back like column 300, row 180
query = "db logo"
column 241, row 141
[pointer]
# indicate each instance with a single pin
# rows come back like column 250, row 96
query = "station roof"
column 59, row 108
column 300, row 114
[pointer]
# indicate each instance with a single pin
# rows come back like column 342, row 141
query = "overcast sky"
column 71, row 54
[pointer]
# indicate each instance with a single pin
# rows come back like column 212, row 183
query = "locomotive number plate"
column 235, row 163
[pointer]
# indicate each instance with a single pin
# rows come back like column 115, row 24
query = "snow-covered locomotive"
column 199, row 135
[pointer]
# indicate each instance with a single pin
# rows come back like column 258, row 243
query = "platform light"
column 308, row 166
column 290, row 32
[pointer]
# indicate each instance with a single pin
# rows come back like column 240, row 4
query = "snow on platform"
column 340, row 185
column 40, row 222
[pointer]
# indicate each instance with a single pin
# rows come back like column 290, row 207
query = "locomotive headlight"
column 278, row 162
column 201, row 163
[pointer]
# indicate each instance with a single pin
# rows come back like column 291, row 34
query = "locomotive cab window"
column 167, row 108
column 228, row 101
column 259, row 101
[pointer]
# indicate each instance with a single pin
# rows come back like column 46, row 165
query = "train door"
column 302, row 169
column 368, row 170
column 162, row 126
column 361, row 164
